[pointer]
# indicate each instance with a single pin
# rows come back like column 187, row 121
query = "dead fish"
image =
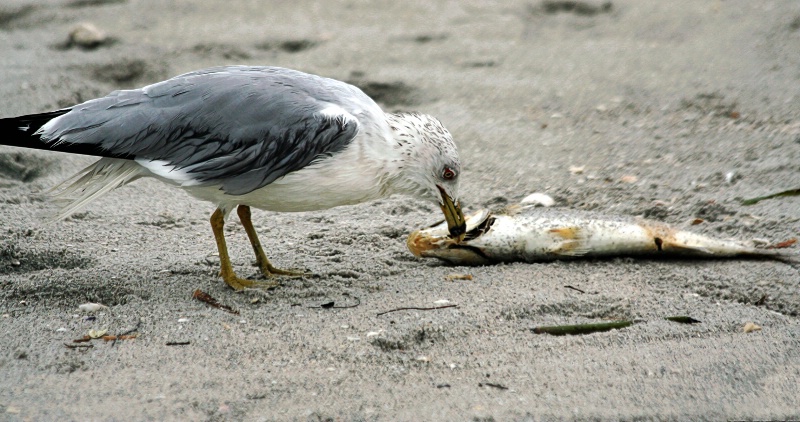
column 531, row 234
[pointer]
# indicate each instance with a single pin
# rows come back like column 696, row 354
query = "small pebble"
column 97, row 333
column 539, row 198
column 91, row 307
column 87, row 36
column 760, row 241
column 183, row 320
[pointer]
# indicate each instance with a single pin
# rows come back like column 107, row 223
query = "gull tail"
column 110, row 172
column 92, row 182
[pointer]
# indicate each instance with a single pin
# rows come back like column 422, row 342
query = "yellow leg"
column 226, row 269
column 261, row 258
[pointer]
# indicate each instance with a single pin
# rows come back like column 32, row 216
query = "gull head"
column 429, row 165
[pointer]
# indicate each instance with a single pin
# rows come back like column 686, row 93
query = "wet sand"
column 670, row 110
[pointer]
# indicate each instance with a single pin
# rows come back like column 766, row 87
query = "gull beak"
column 456, row 223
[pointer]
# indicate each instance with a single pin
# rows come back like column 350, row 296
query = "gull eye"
column 448, row 174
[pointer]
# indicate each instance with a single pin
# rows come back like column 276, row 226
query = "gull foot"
column 240, row 284
column 270, row 271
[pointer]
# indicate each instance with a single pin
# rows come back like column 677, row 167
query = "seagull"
column 271, row 138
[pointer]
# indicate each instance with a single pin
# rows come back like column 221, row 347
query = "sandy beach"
column 674, row 111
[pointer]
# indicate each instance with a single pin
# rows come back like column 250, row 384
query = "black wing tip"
column 21, row 131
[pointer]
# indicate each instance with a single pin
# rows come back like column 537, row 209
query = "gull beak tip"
column 458, row 232
column 456, row 223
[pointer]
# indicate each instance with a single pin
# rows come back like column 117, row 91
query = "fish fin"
column 571, row 248
column 567, row 233
column 573, row 241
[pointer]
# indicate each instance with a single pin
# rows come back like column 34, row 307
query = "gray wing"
column 237, row 127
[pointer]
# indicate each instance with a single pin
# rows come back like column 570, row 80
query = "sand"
column 670, row 110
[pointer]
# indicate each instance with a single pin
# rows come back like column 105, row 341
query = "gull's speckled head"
column 431, row 167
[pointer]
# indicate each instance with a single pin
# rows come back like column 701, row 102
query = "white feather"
column 93, row 182
column 167, row 172
column 334, row 111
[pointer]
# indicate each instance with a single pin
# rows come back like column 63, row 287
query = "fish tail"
column 699, row 245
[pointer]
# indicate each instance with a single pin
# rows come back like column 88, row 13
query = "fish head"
column 437, row 242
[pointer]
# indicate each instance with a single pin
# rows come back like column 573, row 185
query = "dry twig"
column 207, row 298
column 416, row 309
